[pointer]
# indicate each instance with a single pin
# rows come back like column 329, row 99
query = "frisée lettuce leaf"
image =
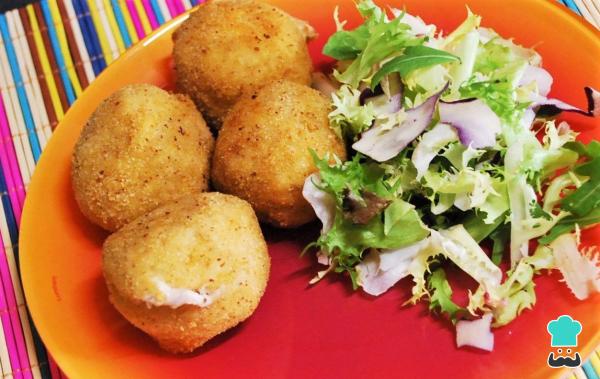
column 440, row 299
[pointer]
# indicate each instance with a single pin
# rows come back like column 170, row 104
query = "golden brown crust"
column 229, row 47
column 141, row 148
column 210, row 241
column 263, row 155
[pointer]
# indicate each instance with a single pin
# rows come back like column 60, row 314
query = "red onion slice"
column 382, row 145
column 322, row 202
column 552, row 107
column 475, row 122
column 542, row 78
column 380, row 270
column 476, row 333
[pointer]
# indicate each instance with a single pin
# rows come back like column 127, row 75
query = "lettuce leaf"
column 440, row 299
column 527, row 163
column 421, row 83
column 412, row 58
column 584, row 198
column 459, row 247
column 375, row 40
column 492, row 56
column 429, row 146
column 472, row 189
column 470, row 24
column 397, row 226
column 522, row 299
column 348, row 44
column 466, row 51
column 349, row 118
column 466, row 253
column 417, row 25
column 584, row 202
column 347, row 237
column 570, row 223
column 558, row 187
column 498, row 94
column 518, row 294
column 353, row 175
column 518, row 290
column 346, row 242
column 580, row 272
column 591, row 150
column 497, row 204
column 461, row 43
column 478, row 228
column 499, row 238
column 587, row 197
column 498, row 68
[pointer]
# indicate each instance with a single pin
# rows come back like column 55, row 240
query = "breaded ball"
column 189, row 270
column 229, row 47
column 142, row 147
column 263, row 155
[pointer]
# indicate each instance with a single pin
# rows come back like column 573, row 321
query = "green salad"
column 453, row 146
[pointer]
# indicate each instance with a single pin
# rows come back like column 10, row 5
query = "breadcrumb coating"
column 262, row 153
column 207, row 241
column 230, row 47
column 142, row 147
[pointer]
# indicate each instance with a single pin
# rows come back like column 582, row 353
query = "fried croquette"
column 142, row 147
column 263, row 153
column 229, row 47
column 189, row 270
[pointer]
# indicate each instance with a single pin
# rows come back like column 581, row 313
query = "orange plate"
column 324, row 331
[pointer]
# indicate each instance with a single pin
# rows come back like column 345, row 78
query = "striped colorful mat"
column 49, row 53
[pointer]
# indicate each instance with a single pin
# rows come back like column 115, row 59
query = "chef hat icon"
column 564, row 331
